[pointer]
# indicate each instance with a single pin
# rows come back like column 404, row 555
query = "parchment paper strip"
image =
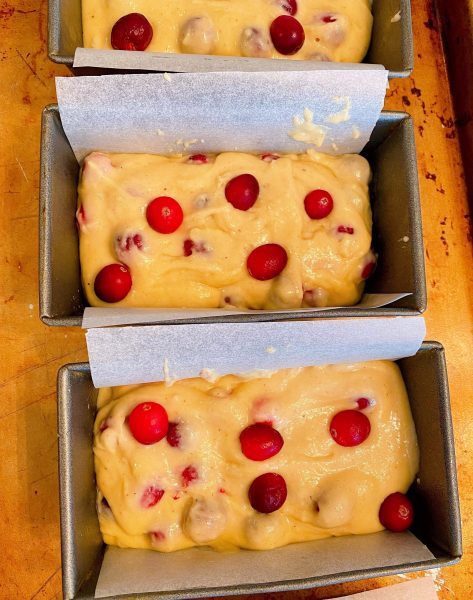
column 106, row 317
column 214, row 112
column 192, row 63
column 139, row 354
column 135, row 571
column 417, row 589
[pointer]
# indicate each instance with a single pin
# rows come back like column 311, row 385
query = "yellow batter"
column 331, row 490
column 324, row 265
column 336, row 30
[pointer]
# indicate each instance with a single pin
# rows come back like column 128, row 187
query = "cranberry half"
column 151, row 496
column 173, row 436
column 290, row 6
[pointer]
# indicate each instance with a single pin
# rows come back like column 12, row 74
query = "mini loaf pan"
column 391, row 40
column 397, row 228
column 434, row 494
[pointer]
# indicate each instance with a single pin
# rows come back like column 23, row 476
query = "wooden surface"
column 457, row 34
column 31, row 353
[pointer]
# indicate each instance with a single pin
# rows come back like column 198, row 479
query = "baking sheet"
column 138, row 571
column 181, row 351
column 333, row 111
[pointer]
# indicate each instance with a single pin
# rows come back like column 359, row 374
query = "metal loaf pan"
column 391, row 46
column 397, row 229
column 434, row 494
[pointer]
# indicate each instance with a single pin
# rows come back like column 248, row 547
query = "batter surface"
column 204, row 262
column 335, row 30
column 332, row 490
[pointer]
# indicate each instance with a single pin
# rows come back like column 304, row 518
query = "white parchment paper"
column 192, row 63
column 422, row 588
column 221, row 111
column 135, row 571
column 140, row 354
column 105, row 316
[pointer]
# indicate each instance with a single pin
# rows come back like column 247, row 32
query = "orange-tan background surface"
column 31, row 353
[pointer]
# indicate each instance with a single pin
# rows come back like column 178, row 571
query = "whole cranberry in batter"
column 148, row 422
column 287, row 34
column 113, row 283
column 131, row 32
column 268, row 492
column 266, row 261
column 260, row 441
column 396, row 512
column 350, row 428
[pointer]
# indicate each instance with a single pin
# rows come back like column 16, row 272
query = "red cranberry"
column 242, row 191
column 105, row 424
column 80, row 216
column 329, row 19
column 198, row 159
column 287, row 34
column 350, row 428
column 188, row 475
column 363, row 403
column 345, row 229
column 132, row 32
column 112, row 283
column 268, row 492
column 396, row 512
column 266, row 262
column 190, row 247
column 148, row 422
column 269, row 157
column 173, row 436
column 368, row 270
column 290, row 6
column 164, row 214
column 318, row 204
column 151, row 496
column 125, row 244
column 260, row 441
